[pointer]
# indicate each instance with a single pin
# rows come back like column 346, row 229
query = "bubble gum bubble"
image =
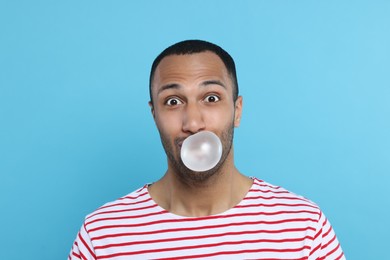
column 202, row 151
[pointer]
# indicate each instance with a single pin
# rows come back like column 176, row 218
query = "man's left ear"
column 237, row 111
column 151, row 108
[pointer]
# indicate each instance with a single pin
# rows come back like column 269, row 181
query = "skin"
column 193, row 93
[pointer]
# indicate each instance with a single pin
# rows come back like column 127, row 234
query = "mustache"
column 179, row 141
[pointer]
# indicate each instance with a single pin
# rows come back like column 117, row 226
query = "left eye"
column 211, row 99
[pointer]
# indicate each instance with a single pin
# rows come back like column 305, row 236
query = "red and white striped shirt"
column 269, row 223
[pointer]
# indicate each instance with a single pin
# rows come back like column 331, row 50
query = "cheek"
column 220, row 117
column 167, row 124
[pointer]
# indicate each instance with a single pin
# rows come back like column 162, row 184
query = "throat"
column 200, row 200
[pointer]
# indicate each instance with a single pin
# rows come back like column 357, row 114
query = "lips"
column 179, row 141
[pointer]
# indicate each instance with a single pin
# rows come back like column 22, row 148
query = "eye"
column 173, row 102
column 212, row 98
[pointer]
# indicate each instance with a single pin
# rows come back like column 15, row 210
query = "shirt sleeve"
column 325, row 243
column 82, row 247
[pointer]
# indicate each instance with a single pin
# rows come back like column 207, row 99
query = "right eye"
column 173, row 102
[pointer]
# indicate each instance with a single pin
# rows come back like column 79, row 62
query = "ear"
column 237, row 111
column 151, row 108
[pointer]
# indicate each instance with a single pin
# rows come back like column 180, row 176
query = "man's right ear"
column 151, row 108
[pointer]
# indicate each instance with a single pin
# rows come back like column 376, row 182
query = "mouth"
column 179, row 141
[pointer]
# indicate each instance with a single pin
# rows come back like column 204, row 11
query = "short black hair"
column 192, row 47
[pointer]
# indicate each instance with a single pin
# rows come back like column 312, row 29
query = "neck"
column 218, row 193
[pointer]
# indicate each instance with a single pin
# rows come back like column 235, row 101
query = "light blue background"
column 76, row 130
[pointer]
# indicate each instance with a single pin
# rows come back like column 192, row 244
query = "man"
column 216, row 214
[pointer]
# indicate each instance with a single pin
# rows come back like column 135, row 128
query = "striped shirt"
column 269, row 223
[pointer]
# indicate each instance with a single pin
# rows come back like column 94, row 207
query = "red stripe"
column 291, row 197
column 334, row 250
column 75, row 254
column 212, row 245
column 340, row 256
column 315, row 249
column 126, row 197
column 229, row 253
column 125, row 203
column 318, row 234
column 127, row 217
column 330, row 242
column 239, row 252
column 276, row 205
column 211, row 254
column 232, row 253
column 83, row 256
column 254, row 178
column 123, row 210
column 272, row 191
column 325, row 221
column 316, row 237
column 203, row 227
column 138, row 195
column 264, row 184
column 206, row 236
column 327, row 232
column 87, row 246
column 274, row 197
column 141, row 189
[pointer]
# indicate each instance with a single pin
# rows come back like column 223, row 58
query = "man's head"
column 194, row 92
column 192, row 47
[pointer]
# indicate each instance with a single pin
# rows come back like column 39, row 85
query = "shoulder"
column 279, row 197
column 134, row 201
column 299, row 212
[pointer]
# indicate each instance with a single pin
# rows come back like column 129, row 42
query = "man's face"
column 193, row 93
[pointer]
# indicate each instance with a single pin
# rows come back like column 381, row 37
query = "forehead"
column 176, row 68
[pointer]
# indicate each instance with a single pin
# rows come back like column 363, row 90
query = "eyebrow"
column 213, row 82
column 168, row 86
column 177, row 86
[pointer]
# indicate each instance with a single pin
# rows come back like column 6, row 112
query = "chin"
column 191, row 177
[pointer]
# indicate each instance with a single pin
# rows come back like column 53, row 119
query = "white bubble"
column 201, row 151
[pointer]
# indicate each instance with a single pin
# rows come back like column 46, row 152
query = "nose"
column 193, row 120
